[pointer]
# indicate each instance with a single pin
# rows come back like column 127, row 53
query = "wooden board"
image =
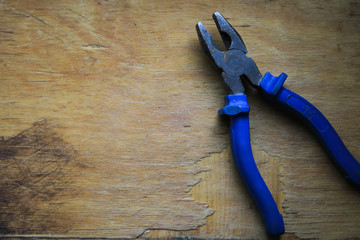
column 108, row 112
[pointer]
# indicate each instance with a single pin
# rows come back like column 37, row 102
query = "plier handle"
column 236, row 66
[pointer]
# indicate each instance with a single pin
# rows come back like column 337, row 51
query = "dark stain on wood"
column 37, row 167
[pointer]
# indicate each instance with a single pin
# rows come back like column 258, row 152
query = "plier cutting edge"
column 236, row 66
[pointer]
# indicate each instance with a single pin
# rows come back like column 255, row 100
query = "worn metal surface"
column 233, row 60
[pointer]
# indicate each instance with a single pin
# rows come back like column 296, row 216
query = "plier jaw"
column 233, row 61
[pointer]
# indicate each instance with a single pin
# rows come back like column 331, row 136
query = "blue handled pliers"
column 236, row 66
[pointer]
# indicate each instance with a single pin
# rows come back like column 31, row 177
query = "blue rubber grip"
column 317, row 123
column 238, row 110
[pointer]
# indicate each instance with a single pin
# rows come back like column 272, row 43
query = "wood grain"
column 108, row 117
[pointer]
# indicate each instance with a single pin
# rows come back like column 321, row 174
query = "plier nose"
column 231, row 38
column 233, row 61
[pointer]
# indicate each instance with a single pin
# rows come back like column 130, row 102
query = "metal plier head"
column 233, row 61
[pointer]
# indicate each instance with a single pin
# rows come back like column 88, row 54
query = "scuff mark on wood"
column 36, row 166
column 94, row 46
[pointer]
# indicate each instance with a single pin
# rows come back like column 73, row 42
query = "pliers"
column 237, row 67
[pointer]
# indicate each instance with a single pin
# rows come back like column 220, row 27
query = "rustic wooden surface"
column 108, row 112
